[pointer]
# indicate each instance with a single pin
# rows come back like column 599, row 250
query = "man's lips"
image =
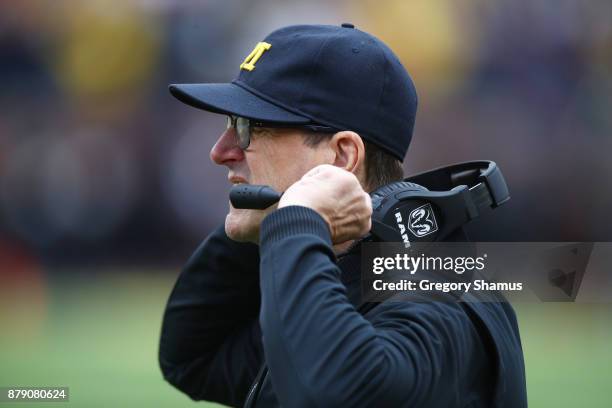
column 237, row 180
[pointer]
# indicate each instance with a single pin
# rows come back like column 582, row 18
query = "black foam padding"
column 379, row 195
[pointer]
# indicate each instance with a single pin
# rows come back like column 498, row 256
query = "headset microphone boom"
column 425, row 207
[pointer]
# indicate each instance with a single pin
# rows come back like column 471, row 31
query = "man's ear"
column 349, row 151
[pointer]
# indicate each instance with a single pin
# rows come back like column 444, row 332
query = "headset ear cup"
column 380, row 194
column 397, row 186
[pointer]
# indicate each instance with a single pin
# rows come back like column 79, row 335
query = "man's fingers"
column 337, row 196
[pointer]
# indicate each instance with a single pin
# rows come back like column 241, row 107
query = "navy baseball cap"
column 336, row 76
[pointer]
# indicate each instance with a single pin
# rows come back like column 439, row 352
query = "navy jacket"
column 291, row 304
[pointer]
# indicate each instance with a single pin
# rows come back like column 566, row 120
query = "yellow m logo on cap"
column 255, row 55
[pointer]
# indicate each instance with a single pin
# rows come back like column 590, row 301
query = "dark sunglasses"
column 243, row 127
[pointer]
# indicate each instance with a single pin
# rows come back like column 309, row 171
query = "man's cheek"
column 268, row 175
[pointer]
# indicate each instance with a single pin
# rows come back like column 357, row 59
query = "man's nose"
column 226, row 149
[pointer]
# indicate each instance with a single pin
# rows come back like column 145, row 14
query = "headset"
column 426, row 207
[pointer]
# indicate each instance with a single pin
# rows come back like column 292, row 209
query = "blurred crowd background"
column 98, row 163
column 102, row 170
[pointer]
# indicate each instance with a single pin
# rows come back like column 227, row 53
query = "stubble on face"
column 275, row 158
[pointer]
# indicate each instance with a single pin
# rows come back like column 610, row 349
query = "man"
column 267, row 311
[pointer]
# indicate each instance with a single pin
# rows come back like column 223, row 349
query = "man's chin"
column 242, row 226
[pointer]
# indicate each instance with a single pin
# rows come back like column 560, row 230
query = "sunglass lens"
column 243, row 129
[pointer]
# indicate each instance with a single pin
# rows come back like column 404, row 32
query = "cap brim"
column 233, row 99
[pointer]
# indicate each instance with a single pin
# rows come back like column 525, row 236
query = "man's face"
column 275, row 157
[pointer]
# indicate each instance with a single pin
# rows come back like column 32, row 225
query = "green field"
column 98, row 335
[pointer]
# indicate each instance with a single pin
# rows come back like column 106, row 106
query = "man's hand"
column 337, row 196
